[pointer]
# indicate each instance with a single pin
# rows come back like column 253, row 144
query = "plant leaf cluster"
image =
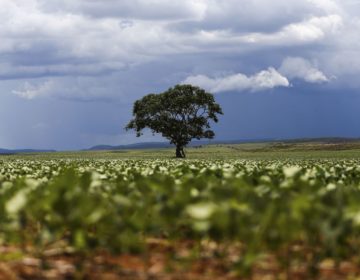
column 297, row 211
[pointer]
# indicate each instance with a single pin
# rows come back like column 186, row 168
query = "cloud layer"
column 66, row 38
column 266, row 79
column 291, row 68
column 74, row 59
column 299, row 68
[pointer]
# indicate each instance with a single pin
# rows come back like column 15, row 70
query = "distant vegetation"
column 301, row 149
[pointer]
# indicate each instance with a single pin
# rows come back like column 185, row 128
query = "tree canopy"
column 180, row 114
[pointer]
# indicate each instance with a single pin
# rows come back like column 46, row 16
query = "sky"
column 70, row 70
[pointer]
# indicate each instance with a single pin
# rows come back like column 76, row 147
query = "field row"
column 296, row 215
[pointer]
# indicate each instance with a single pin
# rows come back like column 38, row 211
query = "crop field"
column 131, row 218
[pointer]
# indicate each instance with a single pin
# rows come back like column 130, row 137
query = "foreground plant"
column 231, row 216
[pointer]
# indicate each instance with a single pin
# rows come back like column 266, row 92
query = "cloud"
column 69, row 88
column 291, row 68
column 299, row 68
column 69, row 39
column 10, row 71
column 329, row 6
column 266, row 79
column 135, row 9
column 311, row 30
column 78, row 37
column 260, row 16
column 30, row 91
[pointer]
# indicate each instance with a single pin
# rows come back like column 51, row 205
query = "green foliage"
column 268, row 206
column 180, row 114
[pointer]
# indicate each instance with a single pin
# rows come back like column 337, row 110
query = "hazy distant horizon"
column 195, row 142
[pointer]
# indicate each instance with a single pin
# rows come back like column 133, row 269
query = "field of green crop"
column 159, row 219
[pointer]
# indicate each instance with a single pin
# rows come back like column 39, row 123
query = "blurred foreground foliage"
column 298, row 213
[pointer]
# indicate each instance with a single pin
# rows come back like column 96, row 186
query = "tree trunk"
column 180, row 151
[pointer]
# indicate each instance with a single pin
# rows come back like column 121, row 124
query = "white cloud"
column 299, row 68
column 30, row 91
column 266, row 79
column 329, row 6
column 263, row 16
column 77, row 38
column 311, row 30
column 61, row 37
column 291, row 68
column 101, row 88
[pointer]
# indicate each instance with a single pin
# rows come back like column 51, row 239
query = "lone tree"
column 180, row 114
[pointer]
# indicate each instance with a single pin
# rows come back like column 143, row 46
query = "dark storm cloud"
column 58, row 37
